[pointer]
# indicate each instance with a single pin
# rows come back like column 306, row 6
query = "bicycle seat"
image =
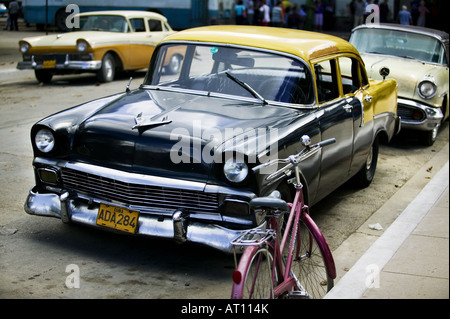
column 269, row 202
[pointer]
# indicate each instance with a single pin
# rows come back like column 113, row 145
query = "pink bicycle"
column 288, row 259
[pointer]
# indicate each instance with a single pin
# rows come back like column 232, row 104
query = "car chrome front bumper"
column 179, row 226
column 432, row 117
column 66, row 65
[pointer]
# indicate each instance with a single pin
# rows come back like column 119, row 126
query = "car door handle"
column 368, row 98
column 348, row 108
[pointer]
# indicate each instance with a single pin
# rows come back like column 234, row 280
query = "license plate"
column 49, row 64
column 117, row 218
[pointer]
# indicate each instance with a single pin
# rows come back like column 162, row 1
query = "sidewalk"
column 410, row 260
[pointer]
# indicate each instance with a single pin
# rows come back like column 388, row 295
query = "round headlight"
column 235, row 171
column 82, row 46
column 24, row 47
column 427, row 89
column 44, row 140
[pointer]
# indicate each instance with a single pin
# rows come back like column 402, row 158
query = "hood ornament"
column 143, row 124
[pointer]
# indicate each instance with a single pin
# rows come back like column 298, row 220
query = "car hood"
column 407, row 72
column 70, row 38
column 175, row 134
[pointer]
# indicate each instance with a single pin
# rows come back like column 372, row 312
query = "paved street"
column 37, row 255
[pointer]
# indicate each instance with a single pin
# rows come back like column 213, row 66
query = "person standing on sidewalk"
column 404, row 16
column 358, row 17
column 278, row 15
column 265, row 12
column 423, row 11
column 240, row 10
column 13, row 13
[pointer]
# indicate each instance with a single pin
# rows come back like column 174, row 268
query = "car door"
column 335, row 115
column 356, row 91
column 143, row 41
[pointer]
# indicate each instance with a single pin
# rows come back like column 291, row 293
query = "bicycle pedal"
column 298, row 295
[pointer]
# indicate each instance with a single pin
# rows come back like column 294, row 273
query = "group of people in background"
column 416, row 14
column 310, row 16
column 316, row 15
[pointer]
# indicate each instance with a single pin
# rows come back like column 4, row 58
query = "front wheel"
column 175, row 64
column 254, row 278
column 108, row 69
column 313, row 264
column 431, row 136
column 43, row 76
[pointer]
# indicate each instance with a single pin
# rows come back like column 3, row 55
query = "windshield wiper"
column 376, row 52
column 408, row 57
column 247, row 87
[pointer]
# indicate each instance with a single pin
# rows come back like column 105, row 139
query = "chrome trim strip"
column 125, row 176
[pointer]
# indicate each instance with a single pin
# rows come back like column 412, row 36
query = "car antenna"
column 128, row 85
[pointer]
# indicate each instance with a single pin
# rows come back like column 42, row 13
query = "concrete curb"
column 359, row 278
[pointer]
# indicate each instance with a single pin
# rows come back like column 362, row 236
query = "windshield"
column 111, row 23
column 220, row 70
column 399, row 43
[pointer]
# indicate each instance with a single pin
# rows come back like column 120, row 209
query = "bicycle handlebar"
column 294, row 160
column 327, row 142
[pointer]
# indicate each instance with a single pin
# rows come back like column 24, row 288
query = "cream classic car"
column 418, row 58
column 105, row 42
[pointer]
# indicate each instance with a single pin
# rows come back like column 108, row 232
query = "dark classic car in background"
column 418, row 58
column 173, row 158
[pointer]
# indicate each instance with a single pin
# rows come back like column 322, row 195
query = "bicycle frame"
column 298, row 212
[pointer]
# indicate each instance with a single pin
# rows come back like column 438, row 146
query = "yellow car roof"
column 305, row 44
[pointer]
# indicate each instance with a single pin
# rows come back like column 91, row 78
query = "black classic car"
column 173, row 158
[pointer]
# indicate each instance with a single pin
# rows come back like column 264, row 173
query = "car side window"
column 326, row 80
column 138, row 24
column 349, row 75
column 353, row 75
column 363, row 74
column 155, row 25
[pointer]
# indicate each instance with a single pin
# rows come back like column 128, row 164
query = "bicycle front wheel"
column 312, row 265
column 254, row 278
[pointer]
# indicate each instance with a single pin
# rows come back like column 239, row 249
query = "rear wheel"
column 365, row 176
column 108, row 69
column 255, row 274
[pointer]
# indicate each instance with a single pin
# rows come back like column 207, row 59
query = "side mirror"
column 384, row 72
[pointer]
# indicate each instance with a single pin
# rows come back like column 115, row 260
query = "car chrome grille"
column 140, row 195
